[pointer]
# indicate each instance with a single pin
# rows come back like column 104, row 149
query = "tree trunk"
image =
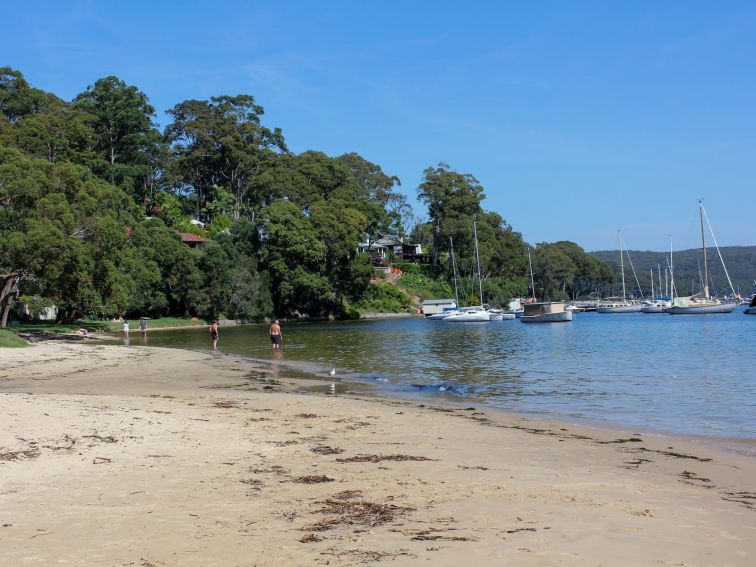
column 7, row 291
column 436, row 242
column 6, row 310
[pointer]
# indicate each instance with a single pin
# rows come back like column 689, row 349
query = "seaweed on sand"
column 326, row 450
column 313, row 479
column 381, row 458
column 342, row 512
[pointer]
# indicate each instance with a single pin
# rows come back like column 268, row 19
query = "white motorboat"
column 702, row 303
column 546, row 312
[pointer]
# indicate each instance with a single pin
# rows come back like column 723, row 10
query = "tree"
column 125, row 137
column 222, row 142
column 452, row 199
column 18, row 99
column 563, row 269
column 390, row 212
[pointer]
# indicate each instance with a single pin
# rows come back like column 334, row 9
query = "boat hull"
column 652, row 310
column 621, row 309
column 750, row 311
column 563, row 317
column 438, row 316
column 701, row 309
column 468, row 318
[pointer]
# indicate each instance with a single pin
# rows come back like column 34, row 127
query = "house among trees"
column 385, row 249
column 193, row 240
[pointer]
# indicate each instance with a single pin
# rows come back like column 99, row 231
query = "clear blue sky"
column 577, row 117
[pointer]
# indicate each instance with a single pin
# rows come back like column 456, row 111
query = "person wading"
column 214, row 333
column 275, row 335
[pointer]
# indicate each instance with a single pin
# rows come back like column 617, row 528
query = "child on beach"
column 126, row 329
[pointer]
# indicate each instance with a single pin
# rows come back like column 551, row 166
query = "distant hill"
column 740, row 261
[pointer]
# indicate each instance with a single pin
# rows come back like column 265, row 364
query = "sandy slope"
column 152, row 457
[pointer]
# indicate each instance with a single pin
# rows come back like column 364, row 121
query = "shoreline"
column 744, row 446
column 169, row 456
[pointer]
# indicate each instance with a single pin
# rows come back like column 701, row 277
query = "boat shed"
column 433, row 306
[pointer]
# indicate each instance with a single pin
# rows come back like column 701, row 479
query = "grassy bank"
column 95, row 325
column 9, row 339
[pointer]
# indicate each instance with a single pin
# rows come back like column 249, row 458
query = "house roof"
column 438, row 301
column 194, row 238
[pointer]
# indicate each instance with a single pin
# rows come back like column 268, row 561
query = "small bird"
column 332, row 372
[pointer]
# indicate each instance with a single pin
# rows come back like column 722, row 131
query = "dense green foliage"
column 93, row 196
column 382, row 297
column 740, row 262
column 563, row 270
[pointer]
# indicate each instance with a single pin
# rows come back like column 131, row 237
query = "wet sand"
column 152, row 457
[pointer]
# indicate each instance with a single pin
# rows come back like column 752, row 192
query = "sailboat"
column 617, row 305
column 477, row 314
column 702, row 303
column 656, row 305
column 455, row 310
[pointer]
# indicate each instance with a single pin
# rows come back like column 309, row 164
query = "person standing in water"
column 126, row 329
column 214, row 333
column 143, row 325
column 275, row 335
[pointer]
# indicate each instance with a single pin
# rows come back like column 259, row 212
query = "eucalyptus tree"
column 125, row 136
column 221, row 142
column 453, row 200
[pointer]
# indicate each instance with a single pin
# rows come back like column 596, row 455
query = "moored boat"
column 703, row 303
column 656, row 305
column 751, row 309
column 621, row 305
column 472, row 315
column 699, row 304
column 546, row 312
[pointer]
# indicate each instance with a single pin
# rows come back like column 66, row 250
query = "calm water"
column 685, row 374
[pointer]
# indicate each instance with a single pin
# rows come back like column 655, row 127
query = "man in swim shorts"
column 275, row 335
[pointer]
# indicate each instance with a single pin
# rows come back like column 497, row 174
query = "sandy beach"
column 152, row 457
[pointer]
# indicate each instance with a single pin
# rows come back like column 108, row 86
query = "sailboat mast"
column 671, row 271
column 532, row 283
column 477, row 255
column 622, row 265
column 658, row 275
column 653, row 295
column 703, row 246
column 454, row 272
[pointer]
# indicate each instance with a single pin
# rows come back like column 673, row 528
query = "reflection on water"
column 690, row 374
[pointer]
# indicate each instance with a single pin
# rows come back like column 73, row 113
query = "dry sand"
column 150, row 457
